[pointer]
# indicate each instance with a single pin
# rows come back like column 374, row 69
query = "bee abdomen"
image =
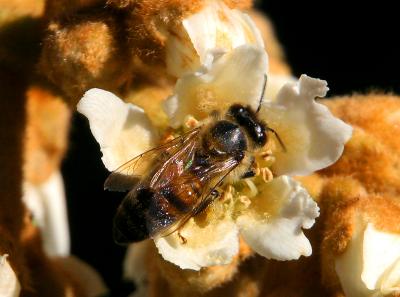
column 130, row 223
column 182, row 196
column 175, row 202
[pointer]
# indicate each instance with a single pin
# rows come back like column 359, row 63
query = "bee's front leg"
column 251, row 171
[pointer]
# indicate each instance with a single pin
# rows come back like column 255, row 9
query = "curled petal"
column 380, row 251
column 213, row 244
column 9, row 284
column 122, row 130
column 371, row 263
column 273, row 224
column 215, row 28
column 314, row 138
column 236, row 77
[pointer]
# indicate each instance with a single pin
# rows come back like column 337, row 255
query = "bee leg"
column 249, row 173
column 183, row 239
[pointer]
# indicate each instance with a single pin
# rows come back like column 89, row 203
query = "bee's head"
column 247, row 119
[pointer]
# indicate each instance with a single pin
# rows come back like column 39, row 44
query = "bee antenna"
column 262, row 93
column 279, row 139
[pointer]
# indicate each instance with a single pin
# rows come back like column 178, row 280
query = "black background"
column 354, row 48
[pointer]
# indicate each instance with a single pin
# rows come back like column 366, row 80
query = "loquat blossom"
column 268, row 211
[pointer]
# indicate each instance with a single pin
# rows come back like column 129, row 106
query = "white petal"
column 314, row 138
column 181, row 57
column 371, row 263
column 390, row 280
column 218, row 27
column 275, row 83
column 213, row 244
column 236, row 77
column 9, row 284
column 122, row 130
column 380, row 251
column 47, row 203
column 215, row 28
column 349, row 265
column 273, row 225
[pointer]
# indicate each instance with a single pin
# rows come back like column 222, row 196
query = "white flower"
column 214, row 29
column 9, row 284
column 370, row 266
column 270, row 215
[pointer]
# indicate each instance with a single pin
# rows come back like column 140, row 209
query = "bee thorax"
column 225, row 138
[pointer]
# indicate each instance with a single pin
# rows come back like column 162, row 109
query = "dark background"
column 354, row 48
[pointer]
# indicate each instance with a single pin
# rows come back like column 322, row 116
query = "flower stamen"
column 245, row 200
column 267, row 155
column 265, row 173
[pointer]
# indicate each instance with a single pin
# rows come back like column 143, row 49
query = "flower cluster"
column 218, row 65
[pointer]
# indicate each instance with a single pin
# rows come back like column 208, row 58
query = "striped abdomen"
column 151, row 210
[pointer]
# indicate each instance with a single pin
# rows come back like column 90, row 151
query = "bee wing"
column 129, row 174
column 218, row 172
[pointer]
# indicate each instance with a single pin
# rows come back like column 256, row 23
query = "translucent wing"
column 129, row 174
column 210, row 177
column 150, row 212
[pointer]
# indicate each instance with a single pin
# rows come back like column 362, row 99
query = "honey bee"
column 171, row 183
